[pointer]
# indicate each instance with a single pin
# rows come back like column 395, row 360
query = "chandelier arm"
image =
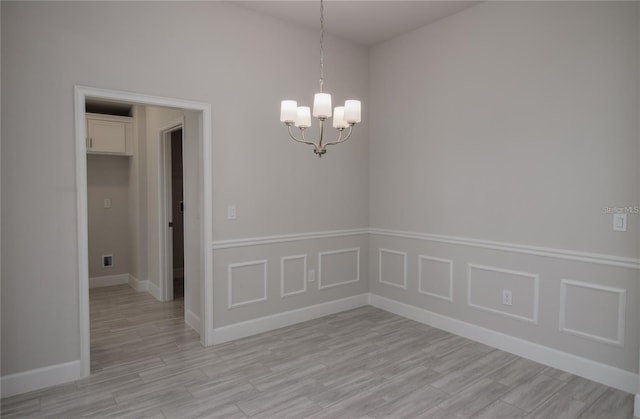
column 340, row 139
column 317, row 148
column 320, row 146
column 303, row 141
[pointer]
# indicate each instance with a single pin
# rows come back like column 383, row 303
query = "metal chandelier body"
column 300, row 116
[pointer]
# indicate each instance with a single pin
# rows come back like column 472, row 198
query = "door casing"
column 81, row 93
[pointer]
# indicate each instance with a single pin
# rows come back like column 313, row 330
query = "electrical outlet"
column 107, row 261
column 311, row 275
column 507, row 297
column 620, row 222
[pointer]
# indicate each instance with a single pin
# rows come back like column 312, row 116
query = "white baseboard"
column 193, row 320
column 108, row 280
column 592, row 370
column 636, row 406
column 154, row 290
column 276, row 321
column 137, row 284
column 39, row 378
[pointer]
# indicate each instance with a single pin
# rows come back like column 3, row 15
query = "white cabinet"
column 108, row 134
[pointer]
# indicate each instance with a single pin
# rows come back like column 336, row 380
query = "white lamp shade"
column 352, row 111
column 288, row 111
column 303, row 119
column 338, row 117
column 322, row 105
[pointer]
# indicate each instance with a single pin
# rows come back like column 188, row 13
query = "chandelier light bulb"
column 303, row 119
column 338, row 118
column 288, row 111
column 352, row 111
column 322, row 105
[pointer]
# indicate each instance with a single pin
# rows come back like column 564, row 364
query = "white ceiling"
column 366, row 22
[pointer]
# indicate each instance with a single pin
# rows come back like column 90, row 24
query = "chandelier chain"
column 321, row 44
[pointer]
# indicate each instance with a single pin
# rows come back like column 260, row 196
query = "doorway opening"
column 201, row 235
column 177, row 215
column 172, row 213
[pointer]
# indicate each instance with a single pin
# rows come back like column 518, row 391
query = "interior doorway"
column 177, row 214
column 203, row 212
column 172, row 212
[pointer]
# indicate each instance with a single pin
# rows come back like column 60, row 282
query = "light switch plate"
column 107, row 203
column 231, row 212
column 620, row 222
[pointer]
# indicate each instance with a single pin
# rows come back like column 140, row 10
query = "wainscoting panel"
column 485, row 287
column 593, row 311
column 392, row 268
column 338, row 267
column 293, row 275
column 266, row 277
column 435, row 277
column 567, row 301
column 247, row 283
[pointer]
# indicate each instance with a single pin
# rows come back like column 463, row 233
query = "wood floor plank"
column 529, row 395
column 363, row 363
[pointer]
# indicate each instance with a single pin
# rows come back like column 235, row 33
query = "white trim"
column 404, row 265
column 421, row 291
column 622, row 298
column 587, row 257
column 536, row 292
column 165, row 248
column 285, row 238
column 335, row 252
column 192, row 320
column 583, row 367
column 597, row 258
column 108, row 280
column 206, row 210
column 230, row 267
column 137, row 284
column 206, row 232
column 24, row 382
column 80, row 94
column 636, row 406
column 287, row 318
column 304, row 275
column 154, row 290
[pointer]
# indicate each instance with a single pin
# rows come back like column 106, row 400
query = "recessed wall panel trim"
column 286, row 238
column 450, row 279
column 404, row 266
column 283, row 262
column 230, row 269
column 322, row 255
column 535, row 294
column 622, row 298
column 597, row 258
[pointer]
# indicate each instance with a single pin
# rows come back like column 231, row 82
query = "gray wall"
column 278, row 187
column 511, row 122
column 109, row 228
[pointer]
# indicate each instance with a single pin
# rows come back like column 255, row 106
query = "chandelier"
column 300, row 116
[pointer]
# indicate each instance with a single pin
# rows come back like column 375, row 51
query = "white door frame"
column 81, row 93
column 166, row 212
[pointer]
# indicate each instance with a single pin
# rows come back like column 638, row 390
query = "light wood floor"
column 363, row 363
